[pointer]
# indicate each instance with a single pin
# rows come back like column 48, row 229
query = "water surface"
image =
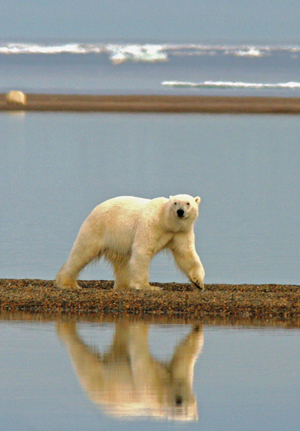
column 56, row 167
column 87, row 376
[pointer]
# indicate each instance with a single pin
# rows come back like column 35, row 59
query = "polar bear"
column 128, row 231
column 126, row 380
column 15, row 97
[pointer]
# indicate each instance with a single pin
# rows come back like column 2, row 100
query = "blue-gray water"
column 244, row 379
column 56, row 167
column 187, row 21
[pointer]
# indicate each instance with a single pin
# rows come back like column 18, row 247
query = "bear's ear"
column 198, row 200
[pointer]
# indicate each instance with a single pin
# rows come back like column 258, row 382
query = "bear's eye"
column 187, row 203
column 175, row 203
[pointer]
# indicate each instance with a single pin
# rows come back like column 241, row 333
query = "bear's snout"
column 180, row 213
column 178, row 400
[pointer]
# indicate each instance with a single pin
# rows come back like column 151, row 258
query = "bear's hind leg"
column 81, row 255
column 64, row 281
column 121, row 274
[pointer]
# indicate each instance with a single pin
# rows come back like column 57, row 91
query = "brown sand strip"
column 175, row 301
column 156, row 104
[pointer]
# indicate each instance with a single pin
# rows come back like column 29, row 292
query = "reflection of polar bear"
column 128, row 381
column 16, row 97
column 128, row 232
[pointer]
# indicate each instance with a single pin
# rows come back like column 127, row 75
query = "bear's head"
column 184, row 207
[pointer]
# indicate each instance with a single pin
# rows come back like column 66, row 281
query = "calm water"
column 56, row 167
column 105, row 376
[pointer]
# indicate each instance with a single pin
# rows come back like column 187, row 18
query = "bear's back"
column 117, row 219
column 124, row 204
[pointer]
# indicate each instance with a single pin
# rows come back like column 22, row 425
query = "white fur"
column 128, row 232
column 16, row 97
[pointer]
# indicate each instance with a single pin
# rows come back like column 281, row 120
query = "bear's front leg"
column 196, row 276
column 187, row 259
column 139, row 264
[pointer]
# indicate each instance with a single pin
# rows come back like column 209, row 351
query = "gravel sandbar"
column 175, row 301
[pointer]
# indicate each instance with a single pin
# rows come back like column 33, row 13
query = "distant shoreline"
column 279, row 303
column 155, row 104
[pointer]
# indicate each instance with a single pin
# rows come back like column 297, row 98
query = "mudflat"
column 155, row 104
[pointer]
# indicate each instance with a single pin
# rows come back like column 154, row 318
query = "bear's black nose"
column 178, row 400
column 180, row 213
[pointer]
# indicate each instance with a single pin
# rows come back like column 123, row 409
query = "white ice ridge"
column 229, row 84
column 135, row 52
column 116, row 52
column 35, row 48
column 145, row 52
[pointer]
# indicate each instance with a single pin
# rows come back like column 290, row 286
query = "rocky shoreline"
column 280, row 303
